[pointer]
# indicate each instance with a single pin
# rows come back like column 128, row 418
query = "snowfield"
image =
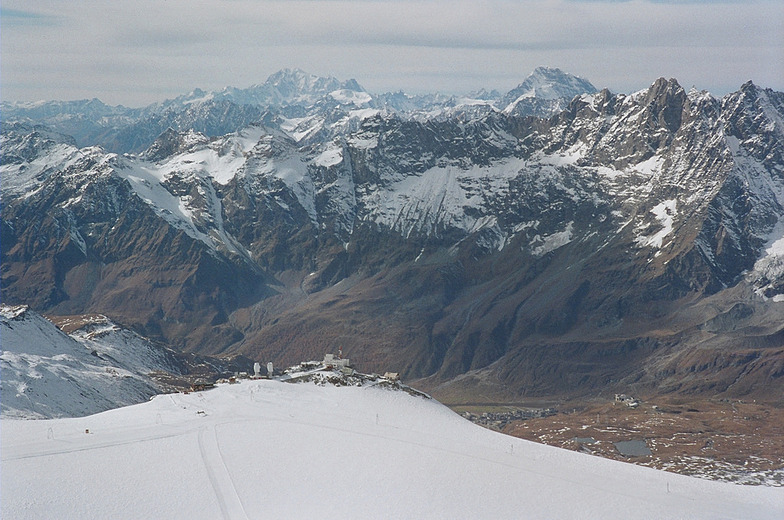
column 266, row 449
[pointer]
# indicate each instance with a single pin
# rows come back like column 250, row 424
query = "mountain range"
column 554, row 240
column 302, row 103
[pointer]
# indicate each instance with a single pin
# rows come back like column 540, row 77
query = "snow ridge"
column 47, row 373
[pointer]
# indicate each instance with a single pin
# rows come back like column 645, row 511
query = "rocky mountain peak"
column 666, row 100
column 197, row 93
column 172, row 142
column 293, row 85
column 749, row 88
column 544, row 92
column 353, row 85
column 549, row 83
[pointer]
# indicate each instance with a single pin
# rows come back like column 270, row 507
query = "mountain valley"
column 556, row 241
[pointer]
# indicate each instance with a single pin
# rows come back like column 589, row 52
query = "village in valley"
column 502, row 419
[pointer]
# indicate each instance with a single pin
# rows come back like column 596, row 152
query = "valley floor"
column 718, row 439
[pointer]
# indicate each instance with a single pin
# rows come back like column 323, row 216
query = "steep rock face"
column 597, row 248
column 99, row 245
column 616, row 222
column 755, row 131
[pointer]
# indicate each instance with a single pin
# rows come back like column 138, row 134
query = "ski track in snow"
column 229, row 501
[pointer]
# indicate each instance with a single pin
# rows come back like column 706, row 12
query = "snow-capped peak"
column 347, row 96
column 547, row 84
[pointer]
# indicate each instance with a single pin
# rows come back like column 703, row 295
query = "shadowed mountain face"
column 628, row 242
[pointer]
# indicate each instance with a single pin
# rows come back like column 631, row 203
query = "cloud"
column 21, row 17
column 150, row 47
column 703, row 2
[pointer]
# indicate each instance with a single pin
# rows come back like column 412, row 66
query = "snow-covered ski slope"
column 269, row 449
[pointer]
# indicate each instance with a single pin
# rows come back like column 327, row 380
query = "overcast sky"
column 140, row 51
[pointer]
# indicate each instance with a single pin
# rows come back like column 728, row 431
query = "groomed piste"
column 271, row 449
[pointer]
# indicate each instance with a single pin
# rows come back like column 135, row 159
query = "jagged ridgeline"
column 554, row 239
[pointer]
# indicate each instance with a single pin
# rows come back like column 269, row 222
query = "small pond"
column 637, row 448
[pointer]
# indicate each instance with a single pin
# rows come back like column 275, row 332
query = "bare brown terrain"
column 722, row 439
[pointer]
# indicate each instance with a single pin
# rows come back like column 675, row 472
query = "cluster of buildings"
column 631, row 402
column 331, row 366
column 498, row 420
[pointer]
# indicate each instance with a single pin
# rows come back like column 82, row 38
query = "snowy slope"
column 47, row 373
column 266, row 449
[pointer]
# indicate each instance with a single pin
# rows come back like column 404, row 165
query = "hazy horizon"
column 138, row 53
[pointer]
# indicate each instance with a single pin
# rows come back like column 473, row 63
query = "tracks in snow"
column 228, row 499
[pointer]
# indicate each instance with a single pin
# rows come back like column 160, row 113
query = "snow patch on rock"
column 665, row 213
